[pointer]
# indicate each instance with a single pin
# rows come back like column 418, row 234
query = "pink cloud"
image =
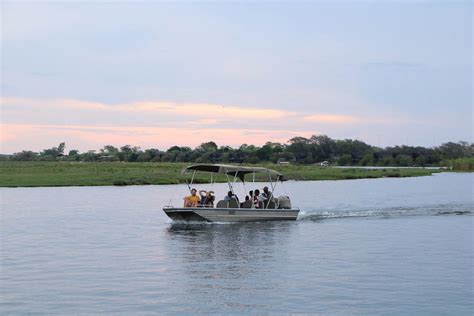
column 92, row 137
column 175, row 108
column 37, row 124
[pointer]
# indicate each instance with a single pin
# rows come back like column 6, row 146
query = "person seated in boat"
column 202, row 195
column 207, row 198
column 192, row 200
column 247, row 198
column 211, row 199
column 251, row 194
column 231, row 196
column 257, row 198
column 267, row 194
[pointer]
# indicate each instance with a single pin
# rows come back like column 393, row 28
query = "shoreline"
column 183, row 183
column 66, row 174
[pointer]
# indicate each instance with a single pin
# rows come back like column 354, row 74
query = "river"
column 374, row 246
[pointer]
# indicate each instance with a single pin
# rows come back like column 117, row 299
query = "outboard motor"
column 284, row 202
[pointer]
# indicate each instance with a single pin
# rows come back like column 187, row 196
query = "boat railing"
column 282, row 202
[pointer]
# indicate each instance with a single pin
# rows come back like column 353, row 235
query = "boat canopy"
column 231, row 170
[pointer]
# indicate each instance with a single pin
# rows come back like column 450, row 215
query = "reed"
column 460, row 164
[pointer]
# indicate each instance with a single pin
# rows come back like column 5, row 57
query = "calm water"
column 378, row 246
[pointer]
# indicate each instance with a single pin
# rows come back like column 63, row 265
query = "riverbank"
column 46, row 174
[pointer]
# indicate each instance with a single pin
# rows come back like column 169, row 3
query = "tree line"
column 300, row 150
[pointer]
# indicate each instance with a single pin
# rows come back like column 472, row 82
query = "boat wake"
column 182, row 222
column 431, row 210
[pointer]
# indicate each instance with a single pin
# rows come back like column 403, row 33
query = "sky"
column 157, row 74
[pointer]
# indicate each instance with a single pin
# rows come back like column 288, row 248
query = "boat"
column 273, row 209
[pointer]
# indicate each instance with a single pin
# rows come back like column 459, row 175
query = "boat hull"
column 203, row 214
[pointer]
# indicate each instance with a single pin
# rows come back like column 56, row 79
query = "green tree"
column 25, row 155
column 73, row 155
column 144, row 156
column 404, row 160
column 110, row 150
column 207, row 147
column 421, row 161
column 345, row 160
column 54, row 152
column 299, row 147
column 452, row 150
column 153, row 153
column 90, row 156
column 367, row 160
column 264, row 153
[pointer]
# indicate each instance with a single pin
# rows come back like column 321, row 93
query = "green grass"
column 318, row 173
column 460, row 164
column 34, row 174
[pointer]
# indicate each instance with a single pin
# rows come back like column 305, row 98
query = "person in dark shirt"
column 231, row 196
column 266, row 193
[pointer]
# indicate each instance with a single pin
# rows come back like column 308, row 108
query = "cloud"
column 173, row 108
column 86, row 137
column 328, row 118
column 39, row 123
column 203, row 110
column 77, row 112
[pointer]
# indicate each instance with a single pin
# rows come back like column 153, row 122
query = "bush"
column 460, row 164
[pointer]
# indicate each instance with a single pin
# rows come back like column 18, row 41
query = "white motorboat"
column 271, row 209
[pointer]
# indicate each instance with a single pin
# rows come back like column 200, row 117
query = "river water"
column 375, row 246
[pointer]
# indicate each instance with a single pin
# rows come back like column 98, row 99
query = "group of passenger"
column 207, row 198
column 260, row 200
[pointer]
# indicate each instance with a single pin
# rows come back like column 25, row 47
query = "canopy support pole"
column 229, row 182
column 272, row 186
column 271, row 182
column 253, row 191
column 192, row 179
column 235, row 179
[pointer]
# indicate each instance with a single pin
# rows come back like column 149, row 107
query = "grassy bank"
column 33, row 174
column 460, row 164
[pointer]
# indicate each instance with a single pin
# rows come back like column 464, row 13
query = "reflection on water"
column 221, row 259
column 233, row 243
column 359, row 247
column 227, row 239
